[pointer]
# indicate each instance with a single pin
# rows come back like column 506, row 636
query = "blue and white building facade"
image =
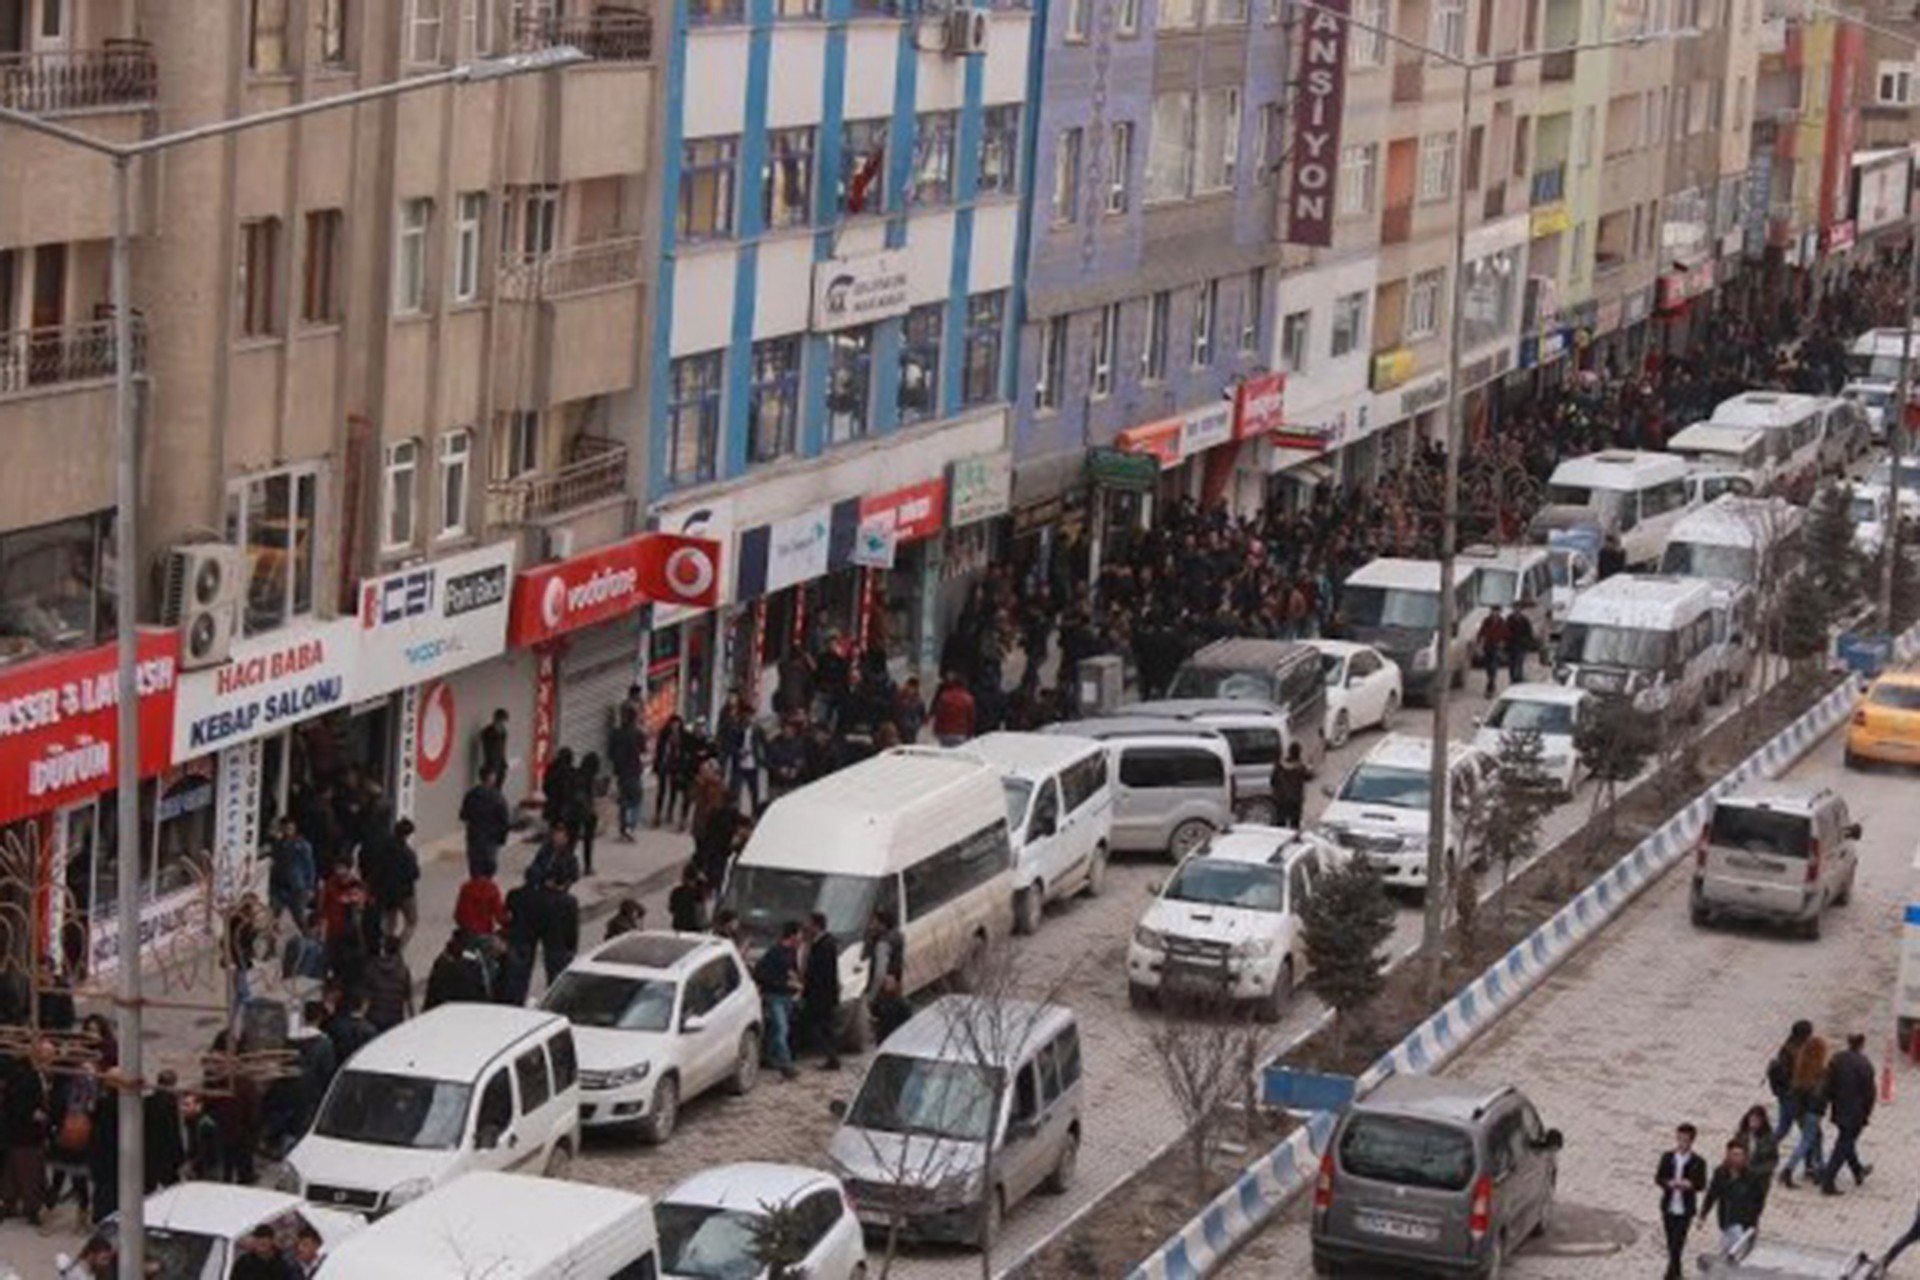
column 832, row 328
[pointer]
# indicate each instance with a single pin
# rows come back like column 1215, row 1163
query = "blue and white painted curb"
column 1267, row 1185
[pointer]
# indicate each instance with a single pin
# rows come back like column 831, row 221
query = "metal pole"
column 1897, row 433
column 1439, row 881
column 126, row 562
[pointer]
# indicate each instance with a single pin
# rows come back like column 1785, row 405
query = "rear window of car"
column 1782, row 835
column 1901, row 697
column 1252, row 746
column 1407, row 1152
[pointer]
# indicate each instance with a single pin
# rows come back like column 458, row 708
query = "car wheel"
column 1274, row 1006
column 1187, row 838
column 1341, row 731
column 1097, row 873
column 1392, row 709
column 746, row 1066
column 1811, row 929
column 660, row 1122
column 1064, row 1168
column 559, row 1161
column 1026, row 909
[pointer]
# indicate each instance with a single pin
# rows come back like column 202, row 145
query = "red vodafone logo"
column 690, row 573
column 554, row 599
column 435, row 732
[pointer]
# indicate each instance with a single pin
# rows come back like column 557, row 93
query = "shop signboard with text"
column 268, row 683
column 1314, row 152
column 912, row 513
column 1259, row 406
column 433, row 619
column 712, row 520
column 554, row 599
column 979, row 488
column 859, row 290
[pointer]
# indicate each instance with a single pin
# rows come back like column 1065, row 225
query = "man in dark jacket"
column 349, row 1028
column 626, row 756
column 1521, row 642
column 1290, row 778
column 488, row 820
column 777, row 974
column 786, row 759
column 389, row 986
column 820, row 990
column 166, row 1148
column 1737, row 1192
column 1851, row 1093
column 1681, row 1176
column 457, row 975
column 392, row 870
column 25, row 1108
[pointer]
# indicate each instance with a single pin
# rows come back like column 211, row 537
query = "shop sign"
column 546, row 691
column 1157, row 440
column 435, row 731
column 979, row 488
column 855, row 291
column 1837, row 237
column 798, row 549
column 712, row 520
column 875, row 543
column 1390, row 369
column 1676, row 287
column 1315, row 147
column 1883, row 192
column 434, row 619
column 1259, row 405
column 1423, row 397
column 268, row 683
column 59, row 723
column 161, row 921
column 1487, row 367
column 912, row 513
column 1549, row 220
column 1119, row 469
column 1639, row 305
column 1203, row 428
column 611, row 582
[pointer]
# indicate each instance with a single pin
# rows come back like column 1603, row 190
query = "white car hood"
column 363, row 1166
column 1384, row 819
column 604, row 1049
column 1551, row 744
column 1210, row 922
column 894, row 1159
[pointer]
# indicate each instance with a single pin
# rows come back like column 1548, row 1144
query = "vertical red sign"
column 546, row 681
column 1314, row 169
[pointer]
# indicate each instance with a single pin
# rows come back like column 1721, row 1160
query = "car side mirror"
column 487, row 1137
column 1479, row 721
column 837, row 1108
column 693, row 1024
column 1852, row 831
column 1154, row 887
column 1553, row 1141
column 1326, row 789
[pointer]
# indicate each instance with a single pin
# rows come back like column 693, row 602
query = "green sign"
column 1118, row 469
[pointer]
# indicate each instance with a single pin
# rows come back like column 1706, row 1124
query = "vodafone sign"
column 557, row 598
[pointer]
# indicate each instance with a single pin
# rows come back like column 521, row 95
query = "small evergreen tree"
column 781, row 1240
column 1349, row 921
column 1805, row 611
column 1520, row 799
column 1613, row 739
column 1906, row 587
column 1832, row 560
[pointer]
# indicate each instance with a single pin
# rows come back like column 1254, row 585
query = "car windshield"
column 1783, row 835
column 605, row 1000
column 1396, row 788
column 1871, row 397
column 1609, row 646
column 1511, row 715
column 1882, row 475
column 1866, row 511
column 1391, row 607
column 394, row 1111
column 1407, row 1152
column 1709, row 560
column 1560, row 565
column 1569, row 495
column 1229, row 884
column 176, row 1255
column 1193, row 681
column 1018, row 790
column 767, row 897
column 706, row 1243
column 1497, row 586
column 1900, row 697
column 924, row 1098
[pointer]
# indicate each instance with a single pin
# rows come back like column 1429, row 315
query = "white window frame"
column 469, row 242
column 1349, row 321
column 1439, row 155
column 522, row 441
column 410, row 267
column 1368, row 48
column 1206, row 313
column 1253, row 304
column 1106, row 341
column 1423, row 304
column 1209, row 175
column 1359, row 178
column 477, row 19
column 1068, row 157
column 1154, row 336
column 455, row 459
column 427, row 32
column 1119, row 166
column 1449, row 32
column 400, row 494
column 1054, row 339
column 1079, row 20
column 1129, row 17
column 1296, row 335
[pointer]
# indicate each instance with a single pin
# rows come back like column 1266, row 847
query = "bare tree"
column 1207, row 1051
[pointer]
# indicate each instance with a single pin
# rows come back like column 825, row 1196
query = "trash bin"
column 1864, row 653
column 1102, row 682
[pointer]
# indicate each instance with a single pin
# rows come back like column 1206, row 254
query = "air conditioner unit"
column 559, row 544
column 205, row 585
column 966, row 33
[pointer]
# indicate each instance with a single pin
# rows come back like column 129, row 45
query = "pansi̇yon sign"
column 1315, row 168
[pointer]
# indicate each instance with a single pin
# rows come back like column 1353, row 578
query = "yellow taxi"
column 1886, row 724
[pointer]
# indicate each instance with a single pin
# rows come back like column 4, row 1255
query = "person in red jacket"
column 480, row 908
column 952, row 712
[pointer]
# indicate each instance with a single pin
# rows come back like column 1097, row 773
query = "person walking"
column 820, row 991
column 1681, row 1176
column 393, row 878
column 1851, row 1093
column 886, row 951
column 1491, row 645
column 293, row 876
column 777, row 974
column 556, row 787
column 1908, row 1238
column 1521, row 642
column 584, row 810
column 953, row 712
column 626, row 756
column 389, row 985
column 458, row 975
column 786, row 758
column 1763, row 1151
column 1809, row 1105
column 493, row 746
column 1780, row 1077
column 1290, row 778
column 1737, row 1193
column 669, row 751
column 488, row 820
column 743, row 745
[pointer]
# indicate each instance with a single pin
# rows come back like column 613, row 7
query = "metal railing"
column 1550, row 185
column 33, row 359
column 1558, row 66
column 123, row 73
column 599, row 471
column 564, row 271
column 1409, row 80
column 1396, row 223
column 608, row 34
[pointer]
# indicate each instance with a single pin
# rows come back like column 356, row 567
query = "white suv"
column 1228, row 922
column 658, row 1018
column 1380, row 810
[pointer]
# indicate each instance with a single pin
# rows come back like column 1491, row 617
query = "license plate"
column 1747, row 862
column 1395, row 1228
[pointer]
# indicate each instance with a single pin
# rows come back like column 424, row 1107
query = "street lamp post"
column 132, row 1145
column 1433, row 925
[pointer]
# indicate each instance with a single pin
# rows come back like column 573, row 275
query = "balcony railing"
column 1557, row 66
column 588, row 266
column 598, row 471
column 123, row 73
column 1409, row 80
column 608, row 34
column 1396, row 223
column 1550, row 185
column 34, row 359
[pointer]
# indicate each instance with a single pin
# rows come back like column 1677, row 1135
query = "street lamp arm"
column 72, row 137
column 1855, row 20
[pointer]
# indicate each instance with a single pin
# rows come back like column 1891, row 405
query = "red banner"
column 1314, row 151
column 916, row 510
column 554, row 599
column 546, row 688
column 1260, row 406
column 1159, row 440
column 58, row 724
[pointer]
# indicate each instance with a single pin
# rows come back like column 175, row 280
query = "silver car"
column 1775, row 853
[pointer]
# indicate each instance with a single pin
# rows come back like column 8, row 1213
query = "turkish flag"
column 675, row 569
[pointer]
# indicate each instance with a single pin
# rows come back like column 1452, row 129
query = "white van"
column 1394, row 605
column 1876, row 401
column 1648, row 637
column 1636, row 495
column 1517, row 579
column 460, row 1088
column 499, row 1225
column 1059, row 814
column 1794, row 425
column 919, row 831
column 1713, row 449
column 1174, row 780
column 1738, row 545
column 1875, row 355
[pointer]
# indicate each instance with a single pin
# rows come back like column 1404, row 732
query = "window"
column 707, row 175
column 410, row 263
column 1119, row 166
column 1368, row 48
column 787, row 179
column 469, row 225
column 933, row 138
column 1170, row 147
column 955, row 871
column 1589, row 124
column 1437, row 151
column 849, row 384
column 986, row 320
column 566, row 1063
column 259, row 277
column 774, row 411
column 272, row 517
column 523, row 445
column 1349, row 320
column 1129, row 17
column 1272, row 131
column 1206, row 308
column 1423, row 305
column 1079, row 19
column 999, row 151
column 532, row 227
column 456, row 451
column 57, row 594
column 863, row 156
column 530, row 1069
column 1082, row 780
column 1053, row 362
column 1179, row 13
column 1450, row 25
column 1219, row 141
column 320, row 282
column 693, row 417
column 1359, row 170
column 333, row 33
column 1066, row 176
column 918, row 395
column 1106, row 338
column 1159, row 768
column 1293, row 342
column 796, row 8
column 1225, row 12
column 267, row 46
column 496, row 1109
column 1895, row 83
column 1251, row 307
column 424, row 25
column 402, row 474
column 1489, row 302
column 1153, row 352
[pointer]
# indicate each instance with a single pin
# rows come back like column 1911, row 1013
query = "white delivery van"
column 1636, row 495
column 1875, row 355
column 1173, row 780
column 513, row 1228
column 1518, row 579
column 1846, row 433
column 1059, row 815
column 1739, row 546
column 1794, row 425
column 1394, row 605
column 1648, row 637
column 1714, row 450
column 919, row 831
column 1876, row 401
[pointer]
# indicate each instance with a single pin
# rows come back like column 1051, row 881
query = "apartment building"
column 383, row 354
column 1806, row 125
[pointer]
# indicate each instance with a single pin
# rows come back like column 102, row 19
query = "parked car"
column 1380, row 810
column 1174, row 781
column 710, row 1222
column 1867, row 507
column 1516, row 579
column 1257, row 734
column 1436, row 1176
column 1551, row 710
column 1281, row 673
column 194, row 1229
column 1059, row 814
column 1775, row 852
column 1886, row 724
column 1364, row 688
column 1574, row 562
column 1394, row 605
column 658, row 1018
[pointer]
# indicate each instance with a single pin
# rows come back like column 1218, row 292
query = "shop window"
column 273, row 517
column 52, row 586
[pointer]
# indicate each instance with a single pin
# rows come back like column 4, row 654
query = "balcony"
column 1396, row 223
column 597, row 472
column 1550, row 185
column 609, row 34
column 1409, row 80
column 566, row 325
column 1557, row 67
column 598, row 265
column 122, row 74
column 56, row 408
column 35, row 359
